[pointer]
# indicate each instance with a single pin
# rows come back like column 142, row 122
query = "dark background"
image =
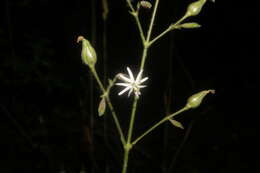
column 48, row 109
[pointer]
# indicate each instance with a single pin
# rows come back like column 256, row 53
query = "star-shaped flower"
column 132, row 84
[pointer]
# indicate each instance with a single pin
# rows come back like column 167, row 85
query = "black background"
column 48, row 123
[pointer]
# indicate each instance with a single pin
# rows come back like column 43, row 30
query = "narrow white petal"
column 124, row 90
column 143, row 80
column 142, row 86
column 139, row 76
column 130, row 91
column 125, row 78
column 130, row 74
column 122, row 84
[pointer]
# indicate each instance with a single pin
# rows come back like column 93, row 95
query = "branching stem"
column 159, row 123
column 119, row 129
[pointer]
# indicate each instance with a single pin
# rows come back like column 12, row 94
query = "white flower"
column 132, row 84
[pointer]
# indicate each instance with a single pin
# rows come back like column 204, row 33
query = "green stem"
column 145, row 42
column 130, row 130
column 170, row 28
column 159, row 123
column 139, row 27
column 130, row 5
column 119, row 129
column 152, row 21
column 126, row 154
column 160, row 35
column 128, row 145
column 135, row 14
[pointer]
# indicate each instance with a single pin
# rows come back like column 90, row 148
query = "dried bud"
column 88, row 53
column 189, row 25
column 195, row 8
column 146, row 4
column 196, row 99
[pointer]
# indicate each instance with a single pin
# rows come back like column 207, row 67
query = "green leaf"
column 176, row 123
column 190, row 25
column 102, row 107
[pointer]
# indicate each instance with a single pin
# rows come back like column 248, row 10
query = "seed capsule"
column 195, row 8
column 196, row 99
column 88, row 53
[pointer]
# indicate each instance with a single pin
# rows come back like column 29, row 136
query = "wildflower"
column 131, row 84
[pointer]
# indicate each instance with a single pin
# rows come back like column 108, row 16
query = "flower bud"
column 88, row 53
column 146, row 4
column 195, row 8
column 196, row 99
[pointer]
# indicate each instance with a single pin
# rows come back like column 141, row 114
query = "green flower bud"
column 196, row 99
column 88, row 53
column 195, row 8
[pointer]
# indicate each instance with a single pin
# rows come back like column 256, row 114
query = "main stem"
column 145, row 42
column 128, row 144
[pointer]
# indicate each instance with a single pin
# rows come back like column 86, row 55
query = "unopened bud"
column 196, row 99
column 146, row 4
column 195, row 8
column 88, row 53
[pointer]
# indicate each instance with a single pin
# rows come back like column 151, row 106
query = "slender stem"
column 137, row 20
column 139, row 27
column 128, row 144
column 170, row 28
column 143, row 57
column 126, row 154
column 130, row 5
column 119, row 129
column 152, row 21
column 130, row 130
column 145, row 42
column 160, row 35
column 159, row 123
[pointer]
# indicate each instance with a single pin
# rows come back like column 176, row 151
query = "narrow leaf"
column 176, row 123
column 190, row 25
column 102, row 107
